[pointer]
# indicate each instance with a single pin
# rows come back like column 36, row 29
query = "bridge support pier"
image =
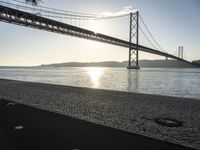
column 133, row 37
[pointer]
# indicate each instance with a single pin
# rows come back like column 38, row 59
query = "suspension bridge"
column 83, row 25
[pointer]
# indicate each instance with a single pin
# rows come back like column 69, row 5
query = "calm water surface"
column 171, row 82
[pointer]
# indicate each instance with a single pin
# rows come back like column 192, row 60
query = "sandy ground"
column 122, row 110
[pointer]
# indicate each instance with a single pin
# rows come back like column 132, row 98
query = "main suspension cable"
column 147, row 38
column 61, row 13
column 151, row 34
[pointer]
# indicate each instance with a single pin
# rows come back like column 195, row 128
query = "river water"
column 160, row 81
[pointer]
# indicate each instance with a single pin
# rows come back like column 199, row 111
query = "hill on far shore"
column 197, row 62
column 142, row 63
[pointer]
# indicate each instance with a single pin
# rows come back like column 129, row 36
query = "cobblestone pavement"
column 131, row 112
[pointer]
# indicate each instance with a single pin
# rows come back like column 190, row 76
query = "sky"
column 172, row 22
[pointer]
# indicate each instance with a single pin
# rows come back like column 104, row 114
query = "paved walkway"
column 126, row 111
column 28, row 128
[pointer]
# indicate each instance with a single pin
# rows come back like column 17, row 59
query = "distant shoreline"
column 142, row 64
column 115, row 64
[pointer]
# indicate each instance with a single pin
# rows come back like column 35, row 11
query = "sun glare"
column 96, row 26
column 95, row 75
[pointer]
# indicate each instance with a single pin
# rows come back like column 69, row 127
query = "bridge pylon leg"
column 133, row 37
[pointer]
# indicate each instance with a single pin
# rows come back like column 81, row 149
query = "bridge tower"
column 180, row 52
column 133, row 38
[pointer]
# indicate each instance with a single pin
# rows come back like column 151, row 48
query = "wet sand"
column 131, row 112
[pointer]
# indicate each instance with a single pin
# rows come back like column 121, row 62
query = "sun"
column 96, row 26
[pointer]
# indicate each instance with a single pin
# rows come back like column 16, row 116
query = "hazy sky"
column 172, row 22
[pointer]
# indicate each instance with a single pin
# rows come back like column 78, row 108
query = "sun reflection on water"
column 95, row 74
